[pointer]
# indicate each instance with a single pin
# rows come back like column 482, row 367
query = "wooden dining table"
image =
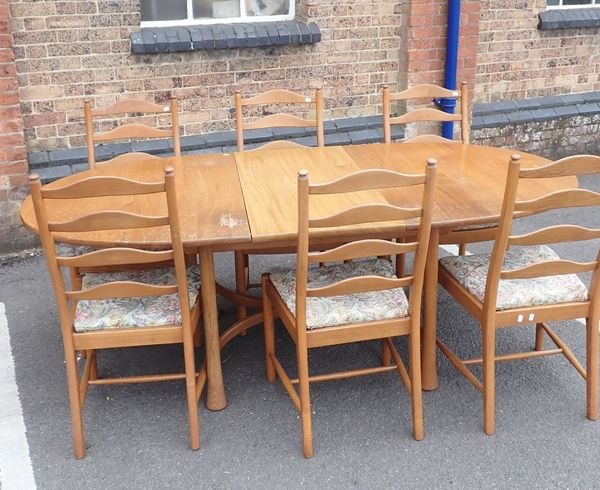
column 248, row 201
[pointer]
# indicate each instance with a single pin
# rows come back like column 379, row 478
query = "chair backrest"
column 129, row 130
column 427, row 114
column 99, row 187
column 568, row 198
column 280, row 120
column 365, row 213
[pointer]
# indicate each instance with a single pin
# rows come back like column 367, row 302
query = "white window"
column 188, row 12
column 569, row 4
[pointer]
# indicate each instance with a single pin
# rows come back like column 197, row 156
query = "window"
column 558, row 4
column 188, row 12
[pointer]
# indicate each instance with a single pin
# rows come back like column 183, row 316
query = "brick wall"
column 68, row 50
column 424, row 43
column 516, row 60
column 426, row 40
column 13, row 157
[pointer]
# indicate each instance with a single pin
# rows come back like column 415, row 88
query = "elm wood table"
column 248, row 200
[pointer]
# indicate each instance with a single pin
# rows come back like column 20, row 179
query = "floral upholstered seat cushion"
column 134, row 312
column 471, row 271
column 351, row 308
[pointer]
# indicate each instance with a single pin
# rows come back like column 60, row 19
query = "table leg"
column 428, row 358
column 215, row 397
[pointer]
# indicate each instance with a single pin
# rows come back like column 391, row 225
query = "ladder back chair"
column 122, row 309
column 270, row 98
column 279, row 120
column 130, row 131
column 530, row 284
column 341, row 302
column 426, row 114
column 464, row 235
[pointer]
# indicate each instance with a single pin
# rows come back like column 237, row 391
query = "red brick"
column 13, row 168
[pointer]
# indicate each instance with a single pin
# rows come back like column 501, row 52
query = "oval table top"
column 229, row 201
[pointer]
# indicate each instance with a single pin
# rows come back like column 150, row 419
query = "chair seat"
column 471, row 272
column 126, row 313
column 347, row 309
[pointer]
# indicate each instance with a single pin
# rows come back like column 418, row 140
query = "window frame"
column 593, row 4
column 190, row 21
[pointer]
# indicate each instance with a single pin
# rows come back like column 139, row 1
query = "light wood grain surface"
column 229, row 201
column 471, row 178
column 269, row 184
column 469, row 191
column 209, row 196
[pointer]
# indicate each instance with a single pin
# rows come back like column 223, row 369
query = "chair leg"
column 269, row 329
column 400, row 260
column 592, row 325
column 74, row 404
column 489, row 366
column 75, row 278
column 462, row 249
column 94, row 370
column 198, row 337
column 414, row 355
column 241, row 281
column 386, row 354
column 305, row 415
column 539, row 337
column 197, row 329
column 190, row 387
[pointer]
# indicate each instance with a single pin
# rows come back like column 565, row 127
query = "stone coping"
column 524, row 111
column 55, row 164
column 153, row 40
column 569, row 18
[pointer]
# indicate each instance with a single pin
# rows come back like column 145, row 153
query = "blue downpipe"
column 451, row 64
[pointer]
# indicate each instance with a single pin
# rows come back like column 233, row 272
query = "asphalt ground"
column 137, row 435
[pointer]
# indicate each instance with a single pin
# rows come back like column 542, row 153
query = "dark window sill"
column 223, row 36
column 569, row 18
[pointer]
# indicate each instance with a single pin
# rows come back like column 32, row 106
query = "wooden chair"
column 464, row 235
column 129, row 130
column 272, row 97
column 530, row 285
column 350, row 302
column 279, row 120
column 427, row 114
column 126, row 309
